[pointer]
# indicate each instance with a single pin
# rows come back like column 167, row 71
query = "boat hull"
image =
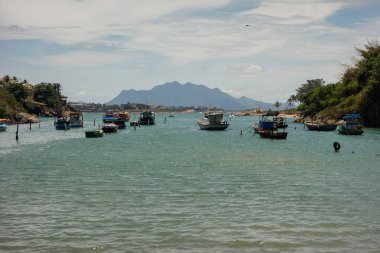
column 346, row 131
column 213, row 127
column 94, row 134
column 320, row 127
column 272, row 134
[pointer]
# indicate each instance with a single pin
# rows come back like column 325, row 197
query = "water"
column 175, row 188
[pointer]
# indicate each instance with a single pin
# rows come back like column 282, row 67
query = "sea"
column 172, row 187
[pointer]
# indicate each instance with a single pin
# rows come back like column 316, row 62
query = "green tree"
column 277, row 104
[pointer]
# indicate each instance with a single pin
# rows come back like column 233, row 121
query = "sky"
column 261, row 49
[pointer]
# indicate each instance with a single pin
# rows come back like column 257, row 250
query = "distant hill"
column 177, row 94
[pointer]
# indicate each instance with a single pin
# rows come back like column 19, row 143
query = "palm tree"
column 277, row 104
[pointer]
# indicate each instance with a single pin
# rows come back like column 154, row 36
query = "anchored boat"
column 147, row 118
column 319, row 126
column 213, row 121
column 94, row 133
column 352, row 125
column 271, row 126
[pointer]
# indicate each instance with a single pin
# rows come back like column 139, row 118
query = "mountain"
column 177, row 94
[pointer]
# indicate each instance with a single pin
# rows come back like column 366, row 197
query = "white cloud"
column 83, row 58
column 250, row 70
column 296, row 12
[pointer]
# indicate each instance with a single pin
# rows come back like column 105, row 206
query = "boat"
column 147, row 118
column 109, row 128
column 134, row 123
column 76, row 119
column 3, row 126
column 271, row 126
column 62, row 123
column 94, row 133
column 213, row 121
column 319, row 126
column 352, row 125
column 118, row 118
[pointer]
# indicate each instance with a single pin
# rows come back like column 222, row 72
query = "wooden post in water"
column 18, row 121
column 165, row 121
column 30, row 125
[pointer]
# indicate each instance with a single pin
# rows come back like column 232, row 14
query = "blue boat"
column 271, row 126
column 352, row 125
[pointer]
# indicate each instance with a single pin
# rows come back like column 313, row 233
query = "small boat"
column 213, row 120
column 352, row 125
column 62, row 123
column 319, row 126
column 76, row 119
column 147, row 118
column 3, row 126
column 271, row 126
column 94, row 133
column 134, row 123
column 109, row 128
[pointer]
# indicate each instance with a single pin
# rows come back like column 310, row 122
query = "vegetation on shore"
column 19, row 100
column 358, row 91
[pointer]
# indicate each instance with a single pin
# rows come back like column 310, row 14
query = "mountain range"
column 189, row 94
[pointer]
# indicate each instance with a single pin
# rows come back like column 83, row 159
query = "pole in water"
column 134, row 127
column 241, row 132
column 336, row 146
column 165, row 121
column 30, row 125
column 17, row 131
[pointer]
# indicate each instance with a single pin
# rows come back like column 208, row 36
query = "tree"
column 277, row 104
column 303, row 92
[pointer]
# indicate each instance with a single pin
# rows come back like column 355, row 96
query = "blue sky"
column 262, row 49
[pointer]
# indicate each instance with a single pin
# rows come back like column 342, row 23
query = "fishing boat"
column 352, row 125
column 3, row 126
column 62, row 123
column 76, row 119
column 278, row 122
column 147, row 118
column 118, row 118
column 271, row 126
column 94, row 133
column 109, row 128
column 319, row 126
column 213, row 121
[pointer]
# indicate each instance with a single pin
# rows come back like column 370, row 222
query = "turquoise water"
column 175, row 188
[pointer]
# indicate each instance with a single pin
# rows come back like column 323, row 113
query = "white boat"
column 213, row 121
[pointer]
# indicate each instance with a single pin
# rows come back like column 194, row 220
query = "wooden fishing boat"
column 271, row 126
column 213, row 121
column 118, row 118
column 352, row 125
column 319, row 126
column 62, row 123
column 76, row 119
column 147, row 118
column 94, row 133
column 109, row 128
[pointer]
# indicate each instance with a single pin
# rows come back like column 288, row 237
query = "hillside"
column 358, row 91
column 22, row 101
column 177, row 94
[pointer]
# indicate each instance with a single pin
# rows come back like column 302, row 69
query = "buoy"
column 336, row 146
